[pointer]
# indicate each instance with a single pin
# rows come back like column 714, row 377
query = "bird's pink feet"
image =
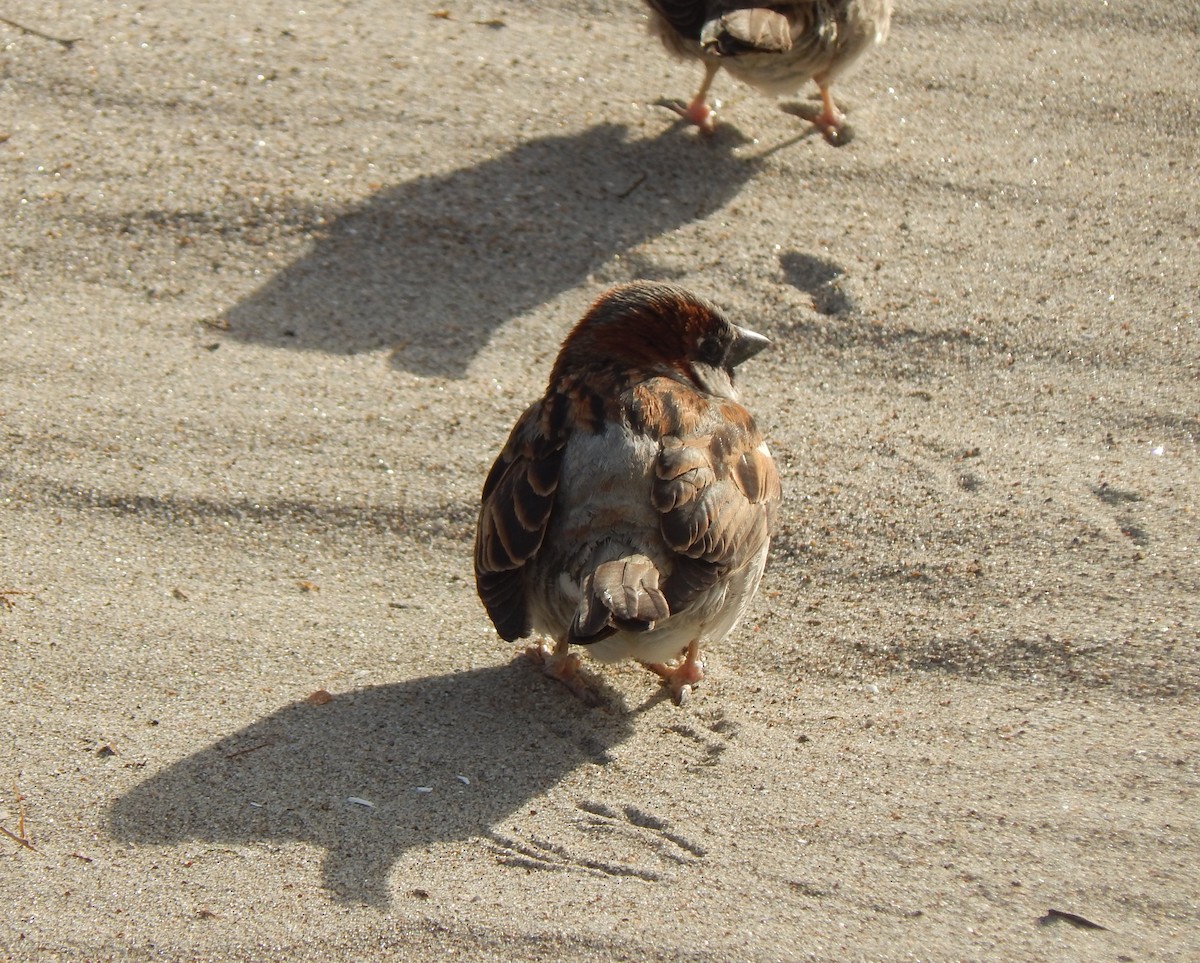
column 564, row 666
column 831, row 122
column 680, row 678
column 697, row 112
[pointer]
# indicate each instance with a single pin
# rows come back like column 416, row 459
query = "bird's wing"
column 518, row 497
column 717, row 491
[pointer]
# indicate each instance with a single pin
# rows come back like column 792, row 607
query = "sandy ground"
column 276, row 280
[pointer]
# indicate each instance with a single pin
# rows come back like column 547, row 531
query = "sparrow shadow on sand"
column 432, row 266
column 376, row 772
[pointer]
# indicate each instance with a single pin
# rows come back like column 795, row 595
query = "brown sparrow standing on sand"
column 774, row 47
column 630, row 510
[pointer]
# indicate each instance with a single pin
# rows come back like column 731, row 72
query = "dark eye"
column 712, row 351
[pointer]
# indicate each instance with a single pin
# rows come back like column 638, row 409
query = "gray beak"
column 748, row 344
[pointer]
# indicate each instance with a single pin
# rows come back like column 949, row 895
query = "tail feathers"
column 621, row 595
column 753, row 30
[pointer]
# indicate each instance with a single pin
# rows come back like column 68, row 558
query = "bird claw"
column 564, row 667
column 834, row 128
column 836, row 134
column 680, row 678
column 697, row 113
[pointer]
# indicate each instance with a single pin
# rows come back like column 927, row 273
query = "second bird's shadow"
column 431, row 267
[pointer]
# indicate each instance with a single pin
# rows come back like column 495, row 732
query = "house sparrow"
column 775, row 48
column 630, row 510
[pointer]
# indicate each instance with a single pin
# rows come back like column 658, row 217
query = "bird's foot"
column 697, row 112
column 835, row 130
column 679, row 678
column 831, row 122
column 828, row 121
column 564, row 666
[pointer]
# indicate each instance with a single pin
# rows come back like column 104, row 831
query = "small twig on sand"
column 249, row 749
column 67, row 44
column 19, row 836
column 5, row 602
column 1073, row 918
column 18, row 839
column 634, row 186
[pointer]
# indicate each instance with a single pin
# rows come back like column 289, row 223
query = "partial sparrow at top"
column 773, row 47
column 630, row 510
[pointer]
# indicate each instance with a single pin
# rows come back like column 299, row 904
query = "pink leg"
column 681, row 677
column 562, row 665
column 698, row 112
column 831, row 122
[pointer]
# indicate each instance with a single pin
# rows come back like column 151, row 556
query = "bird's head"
column 652, row 329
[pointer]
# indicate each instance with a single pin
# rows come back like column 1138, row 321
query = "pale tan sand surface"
column 276, row 279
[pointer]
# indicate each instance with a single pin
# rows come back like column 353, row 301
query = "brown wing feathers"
column 716, row 518
column 518, row 497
